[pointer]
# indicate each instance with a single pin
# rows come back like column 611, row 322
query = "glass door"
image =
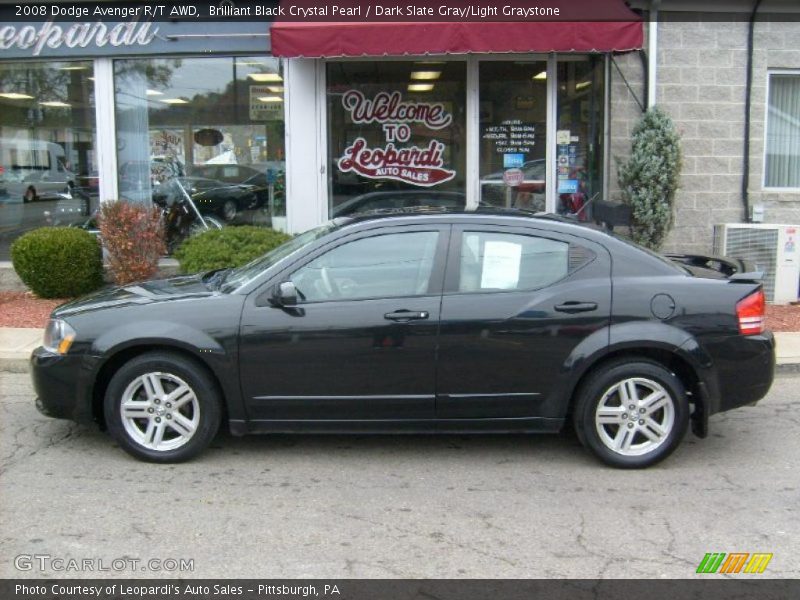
column 513, row 133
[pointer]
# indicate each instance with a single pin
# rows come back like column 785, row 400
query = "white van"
column 33, row 170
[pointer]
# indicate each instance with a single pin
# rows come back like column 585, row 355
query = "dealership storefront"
column 322, row 118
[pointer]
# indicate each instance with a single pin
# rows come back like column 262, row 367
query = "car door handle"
column 575, row 307
column 406, row 315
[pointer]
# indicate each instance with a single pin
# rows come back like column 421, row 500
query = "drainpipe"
column 652, row 53
column 747, row 102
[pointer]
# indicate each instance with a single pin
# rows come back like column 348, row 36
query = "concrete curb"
column 13, row 365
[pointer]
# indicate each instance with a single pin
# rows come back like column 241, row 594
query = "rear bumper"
column 56, row 381
column 745, row 369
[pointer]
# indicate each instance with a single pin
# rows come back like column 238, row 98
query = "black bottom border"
column 750, row 586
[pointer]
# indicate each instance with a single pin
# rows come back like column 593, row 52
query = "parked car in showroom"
column 211, row 197
column 491, row 321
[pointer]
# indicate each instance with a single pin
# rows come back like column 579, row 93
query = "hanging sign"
column 424, row 166
column 208, row 137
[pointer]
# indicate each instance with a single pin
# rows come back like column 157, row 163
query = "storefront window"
column 208, row 132
column 48, row 164
column 579, row 136
column 396, row 135
column 513, row 115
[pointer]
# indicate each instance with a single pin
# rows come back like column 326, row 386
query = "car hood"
column 139, row 293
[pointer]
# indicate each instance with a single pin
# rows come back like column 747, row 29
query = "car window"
column 383, row 266
column 504, row 261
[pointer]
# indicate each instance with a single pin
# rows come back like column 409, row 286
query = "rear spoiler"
column 750, row 277
column 734, row 269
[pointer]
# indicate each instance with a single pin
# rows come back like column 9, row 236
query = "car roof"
column 417, row 213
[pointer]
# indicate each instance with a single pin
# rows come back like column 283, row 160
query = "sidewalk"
column 16, row 345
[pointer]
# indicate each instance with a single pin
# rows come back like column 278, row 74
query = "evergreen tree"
column 649, row 178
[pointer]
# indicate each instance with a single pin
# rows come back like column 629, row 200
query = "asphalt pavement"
column 396, row 506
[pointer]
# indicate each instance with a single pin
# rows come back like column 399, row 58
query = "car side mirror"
column 285, row 294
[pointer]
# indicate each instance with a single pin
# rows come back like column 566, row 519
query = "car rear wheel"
column 632, row 413
column 162, row 407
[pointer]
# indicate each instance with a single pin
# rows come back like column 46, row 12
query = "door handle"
column 406, row 315
column 576, row 307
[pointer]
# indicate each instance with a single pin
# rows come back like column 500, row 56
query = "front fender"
column 218, row 353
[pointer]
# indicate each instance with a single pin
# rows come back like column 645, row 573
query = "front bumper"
column 56, row 381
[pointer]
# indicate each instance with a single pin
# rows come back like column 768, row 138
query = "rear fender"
column 644, row 337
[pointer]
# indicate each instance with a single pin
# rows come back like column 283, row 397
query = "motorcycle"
column 182, row 219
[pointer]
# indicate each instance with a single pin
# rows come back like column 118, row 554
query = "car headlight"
column 58, row 336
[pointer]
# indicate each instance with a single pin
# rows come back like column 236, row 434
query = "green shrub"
column 58, row 262
column 226, row 247
column 649, row 177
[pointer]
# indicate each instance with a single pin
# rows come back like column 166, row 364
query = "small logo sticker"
column 735, row 562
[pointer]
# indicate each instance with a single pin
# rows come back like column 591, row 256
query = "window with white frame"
column 782, row 151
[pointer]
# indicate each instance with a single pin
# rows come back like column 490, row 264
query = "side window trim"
column 435, row 285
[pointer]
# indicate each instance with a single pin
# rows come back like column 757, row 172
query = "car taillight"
column 750, row 312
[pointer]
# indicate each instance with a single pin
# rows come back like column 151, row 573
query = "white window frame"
column 764, row 186
column 308, row 204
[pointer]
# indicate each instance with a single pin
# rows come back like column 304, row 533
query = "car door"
column 517, row 303
column 361, row 342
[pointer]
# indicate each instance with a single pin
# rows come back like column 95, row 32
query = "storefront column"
column 473, row 134
column 551, row 181
column 106, row 128
column 306, row 144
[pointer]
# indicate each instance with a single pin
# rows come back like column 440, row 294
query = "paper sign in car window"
column 501, row 265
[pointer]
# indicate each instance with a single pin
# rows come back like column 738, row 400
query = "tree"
column 649, row 177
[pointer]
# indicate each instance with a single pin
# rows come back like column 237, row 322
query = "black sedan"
column 454, row 322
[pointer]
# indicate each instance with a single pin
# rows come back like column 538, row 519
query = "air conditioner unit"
column 772, row 249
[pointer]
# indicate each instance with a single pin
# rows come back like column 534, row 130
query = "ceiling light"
column 154, row 93
column 265, row 77
column 175, row 101
column 74, row 68
column 582, row 84
column 542, row 75
column 55, row 104
column 250, row 63
column 270, row 99
column 275, row 89
column 425, row 75
column 15, row 96
column 420, row 87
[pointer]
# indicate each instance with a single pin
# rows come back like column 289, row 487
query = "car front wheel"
column 230, row 210
column 632, row 413
column 162, row 407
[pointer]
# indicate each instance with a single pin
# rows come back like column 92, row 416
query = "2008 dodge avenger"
column 491, row 321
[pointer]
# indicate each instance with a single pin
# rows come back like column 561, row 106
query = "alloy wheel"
column 159, row 411
column 635, row 416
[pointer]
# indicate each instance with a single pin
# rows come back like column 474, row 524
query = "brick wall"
column 701, row 85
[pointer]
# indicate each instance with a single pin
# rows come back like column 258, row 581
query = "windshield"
column 241, row 275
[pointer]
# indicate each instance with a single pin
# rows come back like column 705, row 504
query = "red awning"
column 321, row 38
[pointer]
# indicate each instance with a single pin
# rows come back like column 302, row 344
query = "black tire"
column 607, row 440
column 172, row 369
